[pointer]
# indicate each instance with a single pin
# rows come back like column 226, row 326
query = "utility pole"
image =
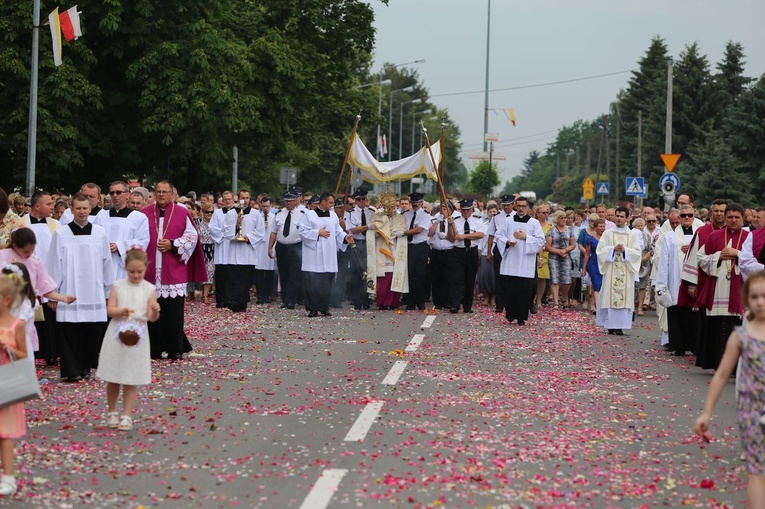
column 588, row 164
column 235, row 170
column 618, row 141
column 566, row 171
column 486, row 88
column 32, row 129
column 557, row 166
column 576, row 161
column 607, row 128
column 668, row 135
column 640, row 150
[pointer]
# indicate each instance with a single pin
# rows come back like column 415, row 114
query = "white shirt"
column 421, row 219
column 277, row 226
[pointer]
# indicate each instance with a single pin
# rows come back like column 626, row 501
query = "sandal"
column 112, row 419
column 126, row 423
column 645, row 307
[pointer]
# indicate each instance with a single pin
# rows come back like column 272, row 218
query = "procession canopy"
column 374, row 171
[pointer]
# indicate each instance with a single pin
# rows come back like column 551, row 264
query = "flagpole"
column 347, row 153
column 451, row 234
column 32, row 129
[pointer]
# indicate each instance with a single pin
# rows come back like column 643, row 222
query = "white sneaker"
column 7, row 485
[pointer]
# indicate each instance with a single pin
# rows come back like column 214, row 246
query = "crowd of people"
column 130, row 257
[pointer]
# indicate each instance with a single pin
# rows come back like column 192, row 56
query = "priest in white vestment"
column 322, row 237
column 80, row 263
column 242, row 257
column 264, row 264
column 126, row 228
column 93, row 193
column 223, row 230
column 619, row 261
column 682, row 318
column 386, row 255
column 519, row 238
column 41, row 223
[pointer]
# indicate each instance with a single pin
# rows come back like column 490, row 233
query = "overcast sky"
column 541, row 41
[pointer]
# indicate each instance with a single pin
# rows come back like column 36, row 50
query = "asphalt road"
column 391, row 409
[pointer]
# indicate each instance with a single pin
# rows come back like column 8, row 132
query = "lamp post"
column 390, row 118
column 401, row 124
column 379, row 111
column 486, row 89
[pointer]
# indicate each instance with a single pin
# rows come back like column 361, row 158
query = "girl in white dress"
column 125, row 358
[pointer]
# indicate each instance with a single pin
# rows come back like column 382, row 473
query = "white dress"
column 119, row 363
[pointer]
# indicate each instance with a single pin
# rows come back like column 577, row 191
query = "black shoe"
column 410, row 308
column 366, row 306
column 521, row 322
column 175, row 356
column 71, row 379
column 421, row 306
column 313, row 314
column 51, row 362
column 382, row 308
column 468, row 311
column 680, row 353
column 498, row 310
column 619, row 332
column 357, row 308
column 611, row 332
column 454, row 311
column 290, row 306
column 85, row 375
column 283, row 306
column 438, row 307
column 533, row 309
column 326, row 313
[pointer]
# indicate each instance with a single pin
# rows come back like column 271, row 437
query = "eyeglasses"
column 650, row 220
column 161, row 192
column 686, row 215
column 207, row 212
column 116, row 193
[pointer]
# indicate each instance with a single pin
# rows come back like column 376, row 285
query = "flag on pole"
column 510, row 115
column 70, row 24
column 67, row 23
column 55, row 33
column 384, row 146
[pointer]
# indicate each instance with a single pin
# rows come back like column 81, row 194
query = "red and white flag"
column 67, row 23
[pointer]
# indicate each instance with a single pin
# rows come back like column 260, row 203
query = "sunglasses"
column 686, row 215
column 651, row 221
column 116, row 193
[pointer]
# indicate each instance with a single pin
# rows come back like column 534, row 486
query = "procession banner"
column 374, row 171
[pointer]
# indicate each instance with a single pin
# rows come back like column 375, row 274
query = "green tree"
column 694, row 105
column 743, row 131
column 719, row 174
column 483, row 179
column 730, row 80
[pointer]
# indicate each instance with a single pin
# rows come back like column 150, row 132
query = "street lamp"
column 390, row 117
column 401, row 124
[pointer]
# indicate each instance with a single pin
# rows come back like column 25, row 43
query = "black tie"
column 287, row 221
column 443, row 225
column 411, row 225
column 265, row 218
column 363, row 218
column 467, row 231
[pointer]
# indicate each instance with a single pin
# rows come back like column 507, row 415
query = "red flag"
column 70, row 24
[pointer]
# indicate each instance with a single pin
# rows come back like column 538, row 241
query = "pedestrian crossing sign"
column 603, row 188
column 635, row 186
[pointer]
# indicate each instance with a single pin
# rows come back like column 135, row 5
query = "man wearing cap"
column 519, row 239
column 468, row 233
column 418, row 222
column 494, row 255
column 322, row 237
column 442, row 264
column 359, row 222
column 284, row 244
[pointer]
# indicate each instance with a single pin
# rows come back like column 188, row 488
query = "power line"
column 536, row 85
column 513, row 138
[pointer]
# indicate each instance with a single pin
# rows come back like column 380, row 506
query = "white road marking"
column 395, row 372
column 428, row 322
column 361, row 427
column 324, row 489
column 414, row 343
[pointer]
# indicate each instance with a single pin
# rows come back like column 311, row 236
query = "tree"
column 730, row 80
column 694, row 105
column 719, row 174
column 743, row 130
column 483, row 179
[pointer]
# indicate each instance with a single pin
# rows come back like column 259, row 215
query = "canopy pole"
column 451, row 235
column 347, row 155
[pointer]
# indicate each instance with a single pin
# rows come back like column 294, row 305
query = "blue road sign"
column 669, row 183
column 603, row 188
column 635, row 186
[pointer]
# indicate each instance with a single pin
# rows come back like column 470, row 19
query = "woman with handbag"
column 13, row 343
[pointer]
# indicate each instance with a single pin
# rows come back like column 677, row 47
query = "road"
column 391, row 409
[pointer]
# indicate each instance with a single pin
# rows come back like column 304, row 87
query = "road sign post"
column 635, row 186
column 670, row 161
column 588, row 189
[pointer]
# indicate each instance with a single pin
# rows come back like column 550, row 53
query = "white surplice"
column 81, row 265
column 222, row 230
column 43, row 233
column 519, row 260
column 126, row 232
column 616, row 301
column 262, row 260
column 319, row 253
column 240, row 252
